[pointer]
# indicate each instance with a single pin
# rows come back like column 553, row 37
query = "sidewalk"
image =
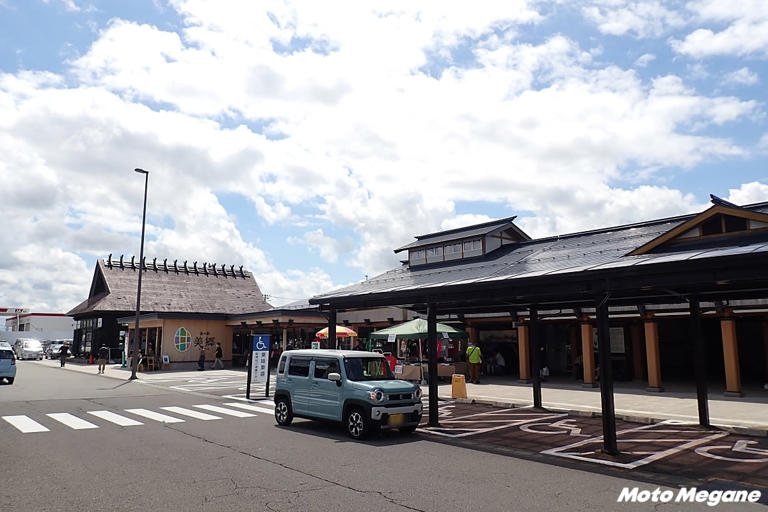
column 748, row 414
column 115, row 371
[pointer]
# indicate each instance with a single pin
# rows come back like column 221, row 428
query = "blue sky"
column 307, row 146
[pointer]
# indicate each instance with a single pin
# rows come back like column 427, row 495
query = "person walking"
column 201, row 360
column 219, row 355
column 63, row 354
column 475, row 360
column 103, row 355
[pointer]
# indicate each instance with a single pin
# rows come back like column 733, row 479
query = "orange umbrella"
column 341, row 332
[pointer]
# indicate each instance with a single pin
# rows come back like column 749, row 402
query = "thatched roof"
column 171, row 288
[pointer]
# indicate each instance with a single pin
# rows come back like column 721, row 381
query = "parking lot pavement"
column 669, row 449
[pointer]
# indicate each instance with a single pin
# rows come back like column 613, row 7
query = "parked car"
column 54, row 350
column 28, row 348
column 355, row 388
column 7, row 363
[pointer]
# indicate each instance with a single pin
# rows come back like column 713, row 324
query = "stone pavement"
column 747, row 414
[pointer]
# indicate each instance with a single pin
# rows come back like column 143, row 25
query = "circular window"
column 182, row 339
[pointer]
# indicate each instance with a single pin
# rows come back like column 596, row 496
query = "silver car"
column 7, row 364
column 28, row 348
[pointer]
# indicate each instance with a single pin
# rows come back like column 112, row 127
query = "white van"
column 28, row 348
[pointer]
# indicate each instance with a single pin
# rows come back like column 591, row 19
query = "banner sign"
column 260, row 358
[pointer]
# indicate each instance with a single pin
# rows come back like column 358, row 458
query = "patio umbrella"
column 415, row 329
column 341, row 332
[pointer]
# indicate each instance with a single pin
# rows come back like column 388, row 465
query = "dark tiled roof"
column 566, row 254
column 462, row 233
column 173, row 290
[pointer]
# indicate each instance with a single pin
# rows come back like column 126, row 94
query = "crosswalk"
column 137, row 416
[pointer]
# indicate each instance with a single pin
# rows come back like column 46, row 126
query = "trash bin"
column 458, row 386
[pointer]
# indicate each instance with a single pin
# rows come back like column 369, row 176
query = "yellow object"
column 458, row 386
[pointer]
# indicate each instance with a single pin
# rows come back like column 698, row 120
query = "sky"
column 307, row 140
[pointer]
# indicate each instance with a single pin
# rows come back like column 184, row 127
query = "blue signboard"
column 260, row 358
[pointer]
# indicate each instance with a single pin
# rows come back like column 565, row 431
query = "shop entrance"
column 241, row 344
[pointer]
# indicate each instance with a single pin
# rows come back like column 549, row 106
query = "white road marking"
column 568, row 451
column 71, row 421
column 192, row 414
column 250, row 407
column 115, row 418
column 222, row 410
column 25, row 424
column 154, row 416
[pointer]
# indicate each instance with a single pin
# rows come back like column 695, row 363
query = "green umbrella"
column 415, row 329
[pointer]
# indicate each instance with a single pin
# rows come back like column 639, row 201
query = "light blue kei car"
column 348, row 386
column 7, row 363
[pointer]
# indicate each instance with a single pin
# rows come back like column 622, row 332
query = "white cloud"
column 644, row 60
column 641, row 18
column 748, row 193
column 329, row 248
column 374, row 150
column 746, row 32
column 743, row 76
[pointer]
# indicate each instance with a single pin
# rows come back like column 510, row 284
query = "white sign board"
column 391, row 338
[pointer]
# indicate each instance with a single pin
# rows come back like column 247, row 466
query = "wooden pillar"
column 731, row 356
column 524, row 352
column 652, row 353
column 638, row 366
column 587, row 353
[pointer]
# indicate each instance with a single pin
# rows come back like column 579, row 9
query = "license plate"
column 396, row 419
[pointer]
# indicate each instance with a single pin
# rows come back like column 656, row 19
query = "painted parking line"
column 71, row 421
column 146, row 413
column 222, row 410
column 484, row 422
column 647, row 443
column 115, row 418
column 192, row 414
column 25, row 424
column 248, row 407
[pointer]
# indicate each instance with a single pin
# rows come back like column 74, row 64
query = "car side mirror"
column 335, row 377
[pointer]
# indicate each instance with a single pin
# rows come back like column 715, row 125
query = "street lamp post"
column 135, row 360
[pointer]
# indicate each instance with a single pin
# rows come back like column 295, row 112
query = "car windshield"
column 367, row 368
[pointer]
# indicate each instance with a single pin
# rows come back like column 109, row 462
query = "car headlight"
column 417, row 393
column 376, row 395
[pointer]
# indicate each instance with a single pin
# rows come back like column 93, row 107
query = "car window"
column 367, row 368
column 6, row 354
column 299, row 367
column 325, row 366
column 281, row 367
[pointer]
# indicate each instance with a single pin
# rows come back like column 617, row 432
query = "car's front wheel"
column 359, row 426
column 283, row 412
column 11, row 379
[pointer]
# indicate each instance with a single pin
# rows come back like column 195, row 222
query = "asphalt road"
column 249, row 463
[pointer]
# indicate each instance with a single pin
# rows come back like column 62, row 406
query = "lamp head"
column 142, row 171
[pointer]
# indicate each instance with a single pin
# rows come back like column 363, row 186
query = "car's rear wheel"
column 283, row 412
column 11, row 379
column 359, row 426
